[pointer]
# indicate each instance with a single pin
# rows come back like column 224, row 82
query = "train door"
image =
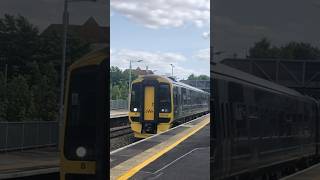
column 149, row 103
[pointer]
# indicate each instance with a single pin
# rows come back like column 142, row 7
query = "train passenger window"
column 175, row 96
column 188, row 97
column 135, row 104
column 164, row 98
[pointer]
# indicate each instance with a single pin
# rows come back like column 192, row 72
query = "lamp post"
column 172, row 66
column 65, row 20
column 130, row 69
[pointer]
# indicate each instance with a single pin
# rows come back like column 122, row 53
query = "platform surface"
column 180, row 153
column 28, row 162
column 189, row 160
column 311, row 173
column 118, row 113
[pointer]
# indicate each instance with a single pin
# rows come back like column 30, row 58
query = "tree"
column 18, row 42
column 51, row 48
column 200, row 77
column 20, row 100
column 115, row 92
column 192, row 77
column 3, row 98
column 263, row 49
column 203, row 77
column 34, row 62
column 291, row 50
column 115, row 75
column 45, row 95
column 119, row 81
column 299, row 50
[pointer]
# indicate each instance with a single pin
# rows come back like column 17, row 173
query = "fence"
column 24, row 135
column 118, row 104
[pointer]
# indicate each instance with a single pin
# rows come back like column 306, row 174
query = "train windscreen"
column 80, row 133
column 164, row 98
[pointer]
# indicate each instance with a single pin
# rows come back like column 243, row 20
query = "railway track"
column 119, row 122
column 120, row 131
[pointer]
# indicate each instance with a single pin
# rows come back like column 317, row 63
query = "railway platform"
column 15, row 164
column 179, row 153
column 28, row 163
column 311, row 173
column 118, row 113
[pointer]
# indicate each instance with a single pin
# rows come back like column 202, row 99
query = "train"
column 84, row 135
column 261, row 130
column 155, row 102
column 158, row 103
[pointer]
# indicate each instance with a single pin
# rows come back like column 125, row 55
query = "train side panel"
column 255, row 128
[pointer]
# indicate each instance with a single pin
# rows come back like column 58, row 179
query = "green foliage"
column 45, row 97
column 3, row 99
column 295, row 50
column 18, row 42
column 119, row 81
column 200, row 77
column 20, row 100
column 34, row 63
column 51, row 48
column 291, row 50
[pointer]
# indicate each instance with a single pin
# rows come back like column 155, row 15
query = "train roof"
column 91, row 58
column 173, row 81
column 227, row 71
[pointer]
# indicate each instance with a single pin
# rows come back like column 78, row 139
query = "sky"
column 238, row 24
column 176, row 31
column 161, row 32
column 42, row 13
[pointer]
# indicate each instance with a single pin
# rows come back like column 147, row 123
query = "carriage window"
column 188, row 97
column 135, row 105
column 175, row 96
column 164, row 98
column 184, row 96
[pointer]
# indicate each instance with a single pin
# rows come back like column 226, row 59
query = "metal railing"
column 35, row 134
column 26, row 135
column 118, row 104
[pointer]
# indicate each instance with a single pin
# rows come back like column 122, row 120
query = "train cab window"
column 81, row 114
column 135, row 104
column 164, row 98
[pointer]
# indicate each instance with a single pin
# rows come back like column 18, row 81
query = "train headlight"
column 81, row 152
column 135, row 109
column 164, row 110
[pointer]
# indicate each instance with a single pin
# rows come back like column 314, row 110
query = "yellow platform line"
column 138, row 167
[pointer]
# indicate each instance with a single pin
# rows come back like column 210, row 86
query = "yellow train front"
column 157, row 103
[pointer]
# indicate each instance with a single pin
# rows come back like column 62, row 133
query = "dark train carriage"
column 259, row 125
column 188, row 101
